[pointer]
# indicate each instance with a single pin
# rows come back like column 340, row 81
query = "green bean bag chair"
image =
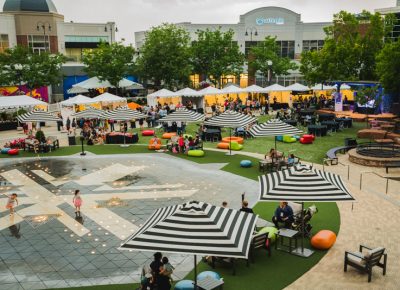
column 236, row 146
column 288, row 139
column 272, row 232
column 196, row 153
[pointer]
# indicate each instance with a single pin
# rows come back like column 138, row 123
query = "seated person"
column 245, row 207
column 99, row 140
column 191, row 144
column 273, row 154
column 283, row 214
column 291, row 160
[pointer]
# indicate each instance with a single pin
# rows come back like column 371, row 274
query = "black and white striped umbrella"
column 230, row 119
column 183, row 115
column 302, row 183
column 274, row 127
column 89, row 113
column 123, row 114
column 38, row 116
column 196, row 228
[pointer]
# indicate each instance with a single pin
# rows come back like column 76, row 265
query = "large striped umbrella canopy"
column 302, row 183
column 274, row 127
column 123, row 114
column 90, row 113
column 230, row 119
column 197, row 228
column 38, row 116
column 183, row 115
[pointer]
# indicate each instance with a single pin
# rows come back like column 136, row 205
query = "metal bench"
column 331, row 154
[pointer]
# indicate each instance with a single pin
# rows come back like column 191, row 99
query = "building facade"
column 292, row 35
column 395, row 33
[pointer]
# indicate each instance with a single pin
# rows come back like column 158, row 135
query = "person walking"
column 68, row 124
column 73, row 125
column 77, row 201
column 12, row 200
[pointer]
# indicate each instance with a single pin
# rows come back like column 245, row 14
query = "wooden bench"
column 394, row 164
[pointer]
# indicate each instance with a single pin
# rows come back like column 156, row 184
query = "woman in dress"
column 77, row 201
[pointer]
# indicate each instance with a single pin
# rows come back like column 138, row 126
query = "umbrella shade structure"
column 210, row 91
column 255, row 89
column 196, row 228
column 38, row 116
column 274, row 127
column 11, row 102
column 123, row 114
column 297, row 87
column 96, row 83
column 78, row 100
column 183, row 115
column 89, row 113
column 303, row 183
column 108, row 98
column 77, row 90
column 163, row 93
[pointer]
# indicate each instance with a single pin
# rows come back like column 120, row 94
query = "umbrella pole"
column 301, row 251
column 230, row 142
column 195, row 272
column 275, row 143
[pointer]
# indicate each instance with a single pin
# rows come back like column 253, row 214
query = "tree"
column 265, row 57
column 388, row 68
column 21, row 66
column 215, row 54
column 110, row 62
column 165, row 56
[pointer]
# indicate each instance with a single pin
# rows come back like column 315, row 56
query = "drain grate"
column 112, row 202
column 36, row 221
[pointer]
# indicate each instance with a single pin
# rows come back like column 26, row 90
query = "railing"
column 347, row 165
column 377, row 174
column 378, row 150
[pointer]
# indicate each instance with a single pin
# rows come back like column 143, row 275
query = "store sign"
column 270, row 20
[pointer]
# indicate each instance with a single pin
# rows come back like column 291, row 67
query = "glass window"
column 39, row 43
column 312, row 45
column 4, row 43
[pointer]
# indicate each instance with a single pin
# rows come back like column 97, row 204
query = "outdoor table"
column 307, row 112
column 331, row 125
column 265, row 165
column 291, row 122
column 119, row 138
column 262, row 223
column 278, row 106
column 210, row 133
column 288, row 234
column 317, row 130
column 387, row 127
column 5, row 126
column 326, row 117
column 209, row 283
column 347, row 122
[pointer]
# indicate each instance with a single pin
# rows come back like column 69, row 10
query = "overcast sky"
column 136, row 15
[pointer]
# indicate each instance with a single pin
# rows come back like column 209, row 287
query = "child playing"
column 166, row 269
column 77, row 201
column 12, row 199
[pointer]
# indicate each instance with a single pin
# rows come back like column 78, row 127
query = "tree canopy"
column 215, row 54
column 19, row 65
column 388, row 68
column 111, row 62
column 165, row 56
column 265, row 57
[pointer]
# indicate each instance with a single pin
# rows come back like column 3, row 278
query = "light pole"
column 44, row 26
column 251, row 31
column 83, row 153
column 110, row 26
column 269, row 63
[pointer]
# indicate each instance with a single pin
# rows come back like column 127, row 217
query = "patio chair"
column 258, row 241
column 367, row 260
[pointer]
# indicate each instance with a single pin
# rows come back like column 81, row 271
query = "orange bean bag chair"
column 168, row 135
column 153, row 145
column 223, row 145
column 233, row 139
column 323, row 240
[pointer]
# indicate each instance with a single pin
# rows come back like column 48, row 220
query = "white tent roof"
column 343, row 87
column 96, row 83
column 254, row 89
column 210, row 91
column 78, row 100
column 77, row 90
column 297, row 87
column 188, row 92
column 232, row 89
column 275, row 88
column 163, row 93
column 108, row 98
column 11, row 102
column 320, row 87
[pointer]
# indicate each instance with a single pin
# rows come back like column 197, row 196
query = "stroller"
column 298, row 221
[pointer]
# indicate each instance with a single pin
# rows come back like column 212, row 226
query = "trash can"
column 350, row 142
column 71, row 140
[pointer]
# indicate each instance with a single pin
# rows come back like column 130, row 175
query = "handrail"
column 377, row 174
column 329, row 159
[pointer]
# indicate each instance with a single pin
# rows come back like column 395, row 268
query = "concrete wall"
column 7, row 26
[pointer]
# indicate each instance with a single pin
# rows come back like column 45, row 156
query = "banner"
column 338, row 102
column 41, row 94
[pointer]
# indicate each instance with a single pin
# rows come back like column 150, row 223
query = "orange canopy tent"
column 133, row 106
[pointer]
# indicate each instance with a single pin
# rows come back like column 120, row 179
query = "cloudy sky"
column 136, row 15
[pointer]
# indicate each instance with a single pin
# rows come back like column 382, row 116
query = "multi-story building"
column 395, row 33
column 293, row 36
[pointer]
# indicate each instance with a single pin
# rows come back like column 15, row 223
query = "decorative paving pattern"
column 119, row 193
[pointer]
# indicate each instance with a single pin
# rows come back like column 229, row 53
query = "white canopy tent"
column 210, row 91
column 108, row 99
column 188, row 94
column 163, row 93
column 77, row 90
column 78, row 100
column 322, row 87
column 298, row 88
column 275, row 88
column 254, row 89
column 15, row 102
column 343, row 87
column 232, row 89
column 96, row 83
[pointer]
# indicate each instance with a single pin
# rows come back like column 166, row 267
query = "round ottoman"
column 211, row 274
column 196, row 153
column 245, row 163
column 168, row 135
column 223, row 146
column 323, row 240
column 272, row 232
column 184, row 285
column 235, row 146
column 148, row 133
column 13, row 152
column 5, row 150
column 233, row 139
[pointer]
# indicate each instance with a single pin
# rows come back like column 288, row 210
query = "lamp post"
column 251, row 31
column 269, row 63
column 83, row 153
column 44, row 26
column 110, row 26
